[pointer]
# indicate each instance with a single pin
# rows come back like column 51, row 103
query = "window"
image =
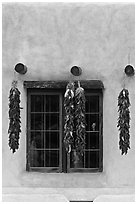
column 45, row 131
column 45, row 148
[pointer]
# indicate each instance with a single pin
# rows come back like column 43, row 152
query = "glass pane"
column 92, row 104
column 92, row 140
column 52, row 121
column 36, row 140
column 52, row 103
column 92, row 122
column 51, row 139
column 76, row 161
column 91, row 159
column 37, row 121
column 37, row 158
column 51, row 158
column 37, row 102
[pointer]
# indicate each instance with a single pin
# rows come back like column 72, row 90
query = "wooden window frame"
column 59, row 87
column 31, row 92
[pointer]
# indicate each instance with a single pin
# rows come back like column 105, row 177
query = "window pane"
column 52, row 103
column 92, row 140
column 36, row 140
column 44, row 141
column 51, row 158
column 92, row 122
column 76, row 161
column 51, row 139
column 92, row 104
column 91, row 159
column 36, row 158
column 52, row 121
column 37, row 121
column 37, row 102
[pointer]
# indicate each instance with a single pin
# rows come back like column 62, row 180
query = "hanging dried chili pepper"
column 123, row 121
column 14, row 117
column 80, row 119
column 69, row 116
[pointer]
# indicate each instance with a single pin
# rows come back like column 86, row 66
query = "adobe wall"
column 50, row 39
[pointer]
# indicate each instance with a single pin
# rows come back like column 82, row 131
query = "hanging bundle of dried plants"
column 123, row 121
column 69, row 116
column 74, row 104
column 14, row 117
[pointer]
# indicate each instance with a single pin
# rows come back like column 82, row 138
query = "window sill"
column 70, row 171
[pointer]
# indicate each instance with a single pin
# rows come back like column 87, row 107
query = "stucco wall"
column 50, row 39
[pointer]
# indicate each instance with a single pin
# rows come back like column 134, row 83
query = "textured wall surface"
column 50, row 39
